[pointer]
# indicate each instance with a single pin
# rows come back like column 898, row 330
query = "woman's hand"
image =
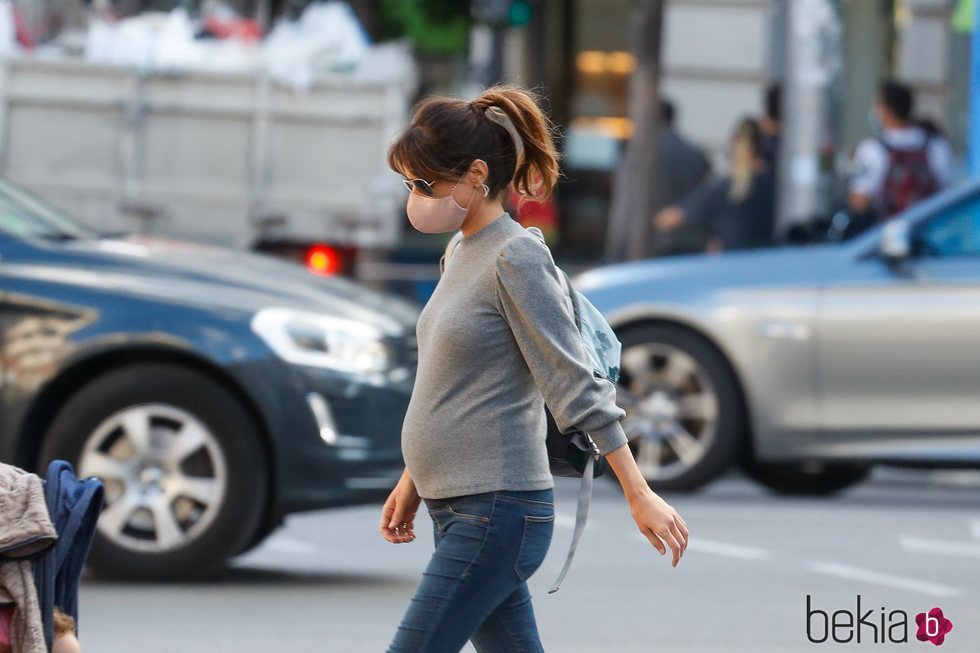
column 668, row 219
column 398, row 514
column 654, row 517
column 657, row 519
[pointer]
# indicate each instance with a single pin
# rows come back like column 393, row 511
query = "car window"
column 954, row 232
column 24, row 215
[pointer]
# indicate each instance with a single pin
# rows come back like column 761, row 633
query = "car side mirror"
column 896, row 242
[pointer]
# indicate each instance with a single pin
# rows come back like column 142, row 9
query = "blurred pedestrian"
column 771, row 127
column 739, row 209
column 901, row 165
column 681, row 168
column 496, row 346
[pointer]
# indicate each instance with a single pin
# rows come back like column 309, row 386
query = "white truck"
column 228, row 158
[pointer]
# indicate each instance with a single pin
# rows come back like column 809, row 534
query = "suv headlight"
column 323, row 341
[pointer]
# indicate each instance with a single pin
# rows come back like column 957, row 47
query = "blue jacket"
column 74, row 506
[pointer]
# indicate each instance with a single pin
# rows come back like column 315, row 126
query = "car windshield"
column 24, row 215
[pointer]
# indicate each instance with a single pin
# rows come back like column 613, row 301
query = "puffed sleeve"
column 532, row 301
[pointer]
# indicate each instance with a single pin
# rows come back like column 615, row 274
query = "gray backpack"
column 574, row 453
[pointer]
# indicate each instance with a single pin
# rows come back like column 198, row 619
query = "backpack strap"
column 891, row 150
column 581, row 515
column 566, row 284
column 585, row 487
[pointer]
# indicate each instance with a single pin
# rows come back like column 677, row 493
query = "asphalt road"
column 904, row 541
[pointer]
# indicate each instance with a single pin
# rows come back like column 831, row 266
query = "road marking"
column 942, row 547
column 975, row 528
column 288, row 546
column 901, row 582
column 719, row 548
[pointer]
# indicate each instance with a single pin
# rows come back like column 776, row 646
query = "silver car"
column 805, row 365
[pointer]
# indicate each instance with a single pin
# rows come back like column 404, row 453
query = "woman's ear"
column 478, row 172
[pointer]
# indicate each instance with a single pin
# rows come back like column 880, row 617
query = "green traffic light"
column 519, row 13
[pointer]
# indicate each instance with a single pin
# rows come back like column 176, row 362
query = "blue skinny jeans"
column 475, row 585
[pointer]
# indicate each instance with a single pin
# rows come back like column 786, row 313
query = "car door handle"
column 784, row 331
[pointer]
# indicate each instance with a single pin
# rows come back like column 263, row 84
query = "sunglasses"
column 421, row 185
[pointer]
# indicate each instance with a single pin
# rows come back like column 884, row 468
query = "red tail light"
column 323, row 259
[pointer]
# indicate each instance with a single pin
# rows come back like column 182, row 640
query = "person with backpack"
column 903, row 165
column 496, row 345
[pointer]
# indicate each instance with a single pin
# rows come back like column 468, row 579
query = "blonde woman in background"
column 738, row 210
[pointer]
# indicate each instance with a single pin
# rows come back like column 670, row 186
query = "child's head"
column 64, row 634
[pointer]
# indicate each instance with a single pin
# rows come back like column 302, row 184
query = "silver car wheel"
column 671, row 409
column 165, row 476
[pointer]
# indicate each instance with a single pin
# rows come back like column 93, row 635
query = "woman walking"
column 738, row 210
column 495, row 343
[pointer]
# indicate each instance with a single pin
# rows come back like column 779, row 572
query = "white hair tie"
column 499, row 116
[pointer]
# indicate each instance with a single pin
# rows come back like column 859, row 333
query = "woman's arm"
column 400, row 508
column 668, row 218
column 655, row 517
column 532, row 300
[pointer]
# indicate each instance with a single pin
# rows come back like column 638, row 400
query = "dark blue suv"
column 213, row 391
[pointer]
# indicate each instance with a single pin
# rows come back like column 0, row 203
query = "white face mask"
column 434, row 215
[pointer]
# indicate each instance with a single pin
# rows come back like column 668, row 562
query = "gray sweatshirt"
column 495, row 343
